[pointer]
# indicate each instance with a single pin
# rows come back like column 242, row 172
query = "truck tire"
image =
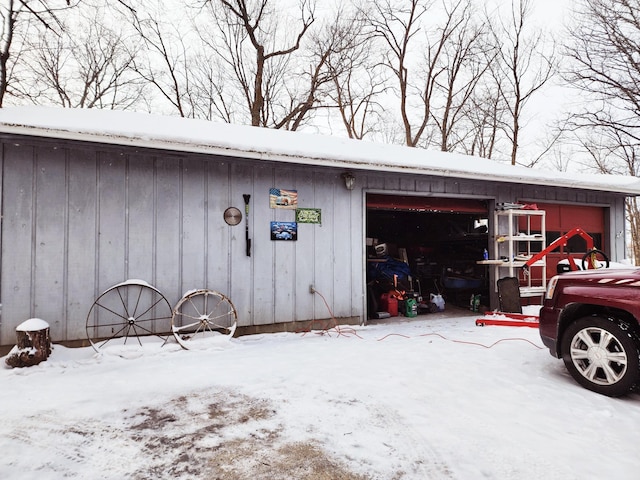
column 602, row 354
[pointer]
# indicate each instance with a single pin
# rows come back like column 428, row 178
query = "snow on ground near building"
column 431, row 398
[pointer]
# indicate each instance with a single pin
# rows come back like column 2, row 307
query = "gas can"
column 410, row 307
column 389, row 303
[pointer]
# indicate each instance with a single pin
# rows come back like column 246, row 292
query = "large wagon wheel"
column 129, row 309
column 201, row 315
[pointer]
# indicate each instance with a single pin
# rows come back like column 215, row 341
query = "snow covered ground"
column 430, row 398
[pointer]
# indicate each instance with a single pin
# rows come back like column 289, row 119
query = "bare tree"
column 217, row 70
column 436, row 55
column 165, row 64
column 604, row 49
column 262, row 50
column 466, row 57
column 18, row 16
column 396, row 25
column 484, row 119
column 87, row 65
column 633, row 218
column 612, row 154
column 212, row 96
column 355, row 82
column 355, row 96
column 526, row 65
column 329, row 42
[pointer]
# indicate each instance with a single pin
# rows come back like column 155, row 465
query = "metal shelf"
column 518, row 241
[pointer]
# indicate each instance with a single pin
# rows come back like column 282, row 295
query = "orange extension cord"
column 349, row 331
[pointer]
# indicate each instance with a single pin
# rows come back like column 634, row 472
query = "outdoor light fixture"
column 349, row 180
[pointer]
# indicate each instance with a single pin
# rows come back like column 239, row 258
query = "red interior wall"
column 565, row 217
column 562, row 218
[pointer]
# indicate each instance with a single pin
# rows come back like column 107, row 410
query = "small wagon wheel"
column 201, row 315
column 129, row 309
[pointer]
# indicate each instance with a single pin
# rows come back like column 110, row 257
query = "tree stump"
column 33, row 344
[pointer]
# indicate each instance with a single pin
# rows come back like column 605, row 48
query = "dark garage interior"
column 418, row 247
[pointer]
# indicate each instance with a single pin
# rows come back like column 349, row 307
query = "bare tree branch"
column 525, row 67
column 16, row 14
column 240, row 20
column 88, row 65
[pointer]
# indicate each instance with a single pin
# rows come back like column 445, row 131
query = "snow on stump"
column 33, row 344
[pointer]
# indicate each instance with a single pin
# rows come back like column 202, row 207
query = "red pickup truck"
column 591, row 319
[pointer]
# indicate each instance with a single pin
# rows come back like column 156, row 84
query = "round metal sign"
column 232, row 216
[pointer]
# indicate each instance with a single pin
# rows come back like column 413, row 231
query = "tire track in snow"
column 416, row 455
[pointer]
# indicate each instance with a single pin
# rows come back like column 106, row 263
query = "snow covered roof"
column 200, row 136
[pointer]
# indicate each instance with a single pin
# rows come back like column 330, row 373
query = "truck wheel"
column 602, row 355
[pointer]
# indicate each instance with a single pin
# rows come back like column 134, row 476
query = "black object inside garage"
column 439, row 239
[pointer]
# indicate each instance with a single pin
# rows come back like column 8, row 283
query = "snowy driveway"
column 432, row 398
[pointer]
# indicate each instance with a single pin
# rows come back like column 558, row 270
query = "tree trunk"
column 33, row 344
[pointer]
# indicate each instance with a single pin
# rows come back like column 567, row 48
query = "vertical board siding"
column 168, row 227
column 615, row 223
column 305, row 249
column 266, row 276
column 50, row 248
column 219, row 235
column 341, row 227
column 284, row 252
column 81, row 268
column 194, row 218
column 241, row 276
column 324, row 251
column 140, row 218
column 79, row 219
column 140, row 248
column 407, row 183
column 17, row 238
column 112, row 221
column 358, row 269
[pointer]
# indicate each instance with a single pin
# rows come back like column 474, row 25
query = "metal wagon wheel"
column 129, row 309
column 201, row 315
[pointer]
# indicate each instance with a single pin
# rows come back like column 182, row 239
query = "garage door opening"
column 423, row 246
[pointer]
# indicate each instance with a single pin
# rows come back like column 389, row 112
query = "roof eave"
column 353, row 164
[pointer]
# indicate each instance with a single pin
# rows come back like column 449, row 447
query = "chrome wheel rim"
column 598, row 356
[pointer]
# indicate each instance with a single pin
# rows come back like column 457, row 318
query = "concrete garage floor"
column 450, row 311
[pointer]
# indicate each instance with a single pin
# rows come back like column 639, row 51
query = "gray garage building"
column 92, row 198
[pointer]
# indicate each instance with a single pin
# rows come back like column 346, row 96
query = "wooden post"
column 33, row 344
